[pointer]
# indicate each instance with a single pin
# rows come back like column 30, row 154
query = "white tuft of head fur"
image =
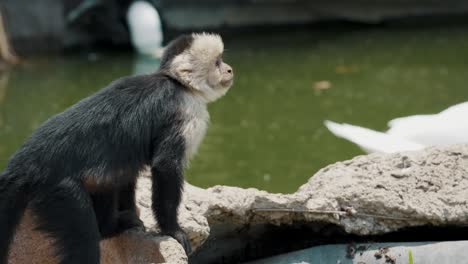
column 206, row 47
column 194, row 65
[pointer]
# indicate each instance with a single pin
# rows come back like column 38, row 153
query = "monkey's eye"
column 218, row 62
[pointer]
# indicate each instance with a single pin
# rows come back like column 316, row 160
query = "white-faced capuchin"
column 77, row 171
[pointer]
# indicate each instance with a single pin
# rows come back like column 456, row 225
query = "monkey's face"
column 221, row 75
column 201, row 67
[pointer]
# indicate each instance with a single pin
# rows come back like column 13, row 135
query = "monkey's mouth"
column 227, row 83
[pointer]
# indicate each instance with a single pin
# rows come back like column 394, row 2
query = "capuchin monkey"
column 77, row 171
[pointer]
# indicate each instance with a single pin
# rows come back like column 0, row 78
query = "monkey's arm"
column 167, row 176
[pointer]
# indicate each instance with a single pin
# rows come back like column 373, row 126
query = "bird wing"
column 371, row 140
column 446, row 127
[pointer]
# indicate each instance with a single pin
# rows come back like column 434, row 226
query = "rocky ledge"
column 367, row 198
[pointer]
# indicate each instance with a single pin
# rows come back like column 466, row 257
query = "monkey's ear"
column 184, row 72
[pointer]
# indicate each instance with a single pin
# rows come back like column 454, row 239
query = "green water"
column 268, row 132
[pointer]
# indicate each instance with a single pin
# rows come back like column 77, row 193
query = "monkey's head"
column 196, row 61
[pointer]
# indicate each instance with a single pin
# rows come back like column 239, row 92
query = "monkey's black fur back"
column 109, row 133
column 108, row 137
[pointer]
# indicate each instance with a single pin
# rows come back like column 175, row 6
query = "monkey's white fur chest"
column 195, row 125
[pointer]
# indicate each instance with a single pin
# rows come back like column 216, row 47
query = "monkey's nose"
column 229, row 70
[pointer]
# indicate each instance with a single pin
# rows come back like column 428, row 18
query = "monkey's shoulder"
column 130, row 95
column 145, row 84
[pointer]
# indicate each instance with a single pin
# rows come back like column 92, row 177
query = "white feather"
column 410, row 133
column 447, row 127
column 370, row 140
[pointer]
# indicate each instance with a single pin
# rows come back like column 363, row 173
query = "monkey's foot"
column 182, row 238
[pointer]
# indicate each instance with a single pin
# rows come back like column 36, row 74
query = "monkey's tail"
column 13, row 202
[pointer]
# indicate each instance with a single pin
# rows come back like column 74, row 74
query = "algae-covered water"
column 268, row 132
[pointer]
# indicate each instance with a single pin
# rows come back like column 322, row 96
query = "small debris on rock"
column 351, row 250
column 401, row 173
column 405, row 163
column 349, row 210
column 361, row 249
column 381, row 186
column 390, row 259
column 381, row 252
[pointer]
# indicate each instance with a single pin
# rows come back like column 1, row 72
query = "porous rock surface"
column 368, row 195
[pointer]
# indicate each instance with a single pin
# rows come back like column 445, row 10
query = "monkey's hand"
column 182, row 238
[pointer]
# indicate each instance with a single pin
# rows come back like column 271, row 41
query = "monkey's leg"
column 110, row 207
column 127, row 197
column 66, row 212
column 105, row 208
column 128, row 216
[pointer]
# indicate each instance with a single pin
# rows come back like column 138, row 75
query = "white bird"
column 410, row 133
column 145, row 28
